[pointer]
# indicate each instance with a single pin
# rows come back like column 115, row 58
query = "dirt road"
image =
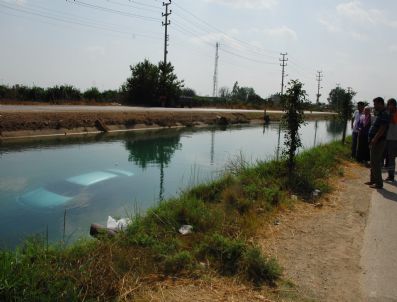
column 72, row 108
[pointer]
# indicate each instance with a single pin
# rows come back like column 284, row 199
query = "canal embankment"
column 228, row 217
column 43, row 121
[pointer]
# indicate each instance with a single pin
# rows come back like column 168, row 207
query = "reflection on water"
column 114, row 174
column 158, row 151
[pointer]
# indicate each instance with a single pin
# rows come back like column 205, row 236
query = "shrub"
column 226, row 252
column 259, row 269
column 179, row 262
column 211, row 192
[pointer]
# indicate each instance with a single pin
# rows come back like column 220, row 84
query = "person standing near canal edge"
column 363, row 127
column 391, row 140
column 377, row 142
column 355, row 122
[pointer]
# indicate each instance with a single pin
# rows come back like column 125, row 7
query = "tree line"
column 56, row 94
column 155, row 85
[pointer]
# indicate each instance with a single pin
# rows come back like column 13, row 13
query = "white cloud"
column 393, row 48
column 222, row 38
column 330, row 26
column 358, row 36
column 17, row 2
column 355, row 12
column 283, row 32
column 95, row 52
column 250, row 4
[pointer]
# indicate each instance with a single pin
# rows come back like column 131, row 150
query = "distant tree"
column 188, row 92
column 143, row 86
column 341, row 101
column 235, row 90
column 149, row 82
column 63, row 92
column 4, row 90
column 224, row 92
column 92, row 94
column 111, row 96
column 242, row 93
column 170, row 87
column 293, row 104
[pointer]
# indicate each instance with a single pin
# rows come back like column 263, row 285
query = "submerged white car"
column 60, row 193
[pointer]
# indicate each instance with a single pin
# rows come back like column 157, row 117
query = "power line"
column 221, row 31
column 248, row 58
column 283, row 75
column 114, row 11
column 149, row 8
column 71, row 20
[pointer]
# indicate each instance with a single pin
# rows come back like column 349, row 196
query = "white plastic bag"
column 117, row 225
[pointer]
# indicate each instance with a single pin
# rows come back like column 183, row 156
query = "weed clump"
column 225, row 252
column 259, row 269
column 181, row 261
column 211, row 192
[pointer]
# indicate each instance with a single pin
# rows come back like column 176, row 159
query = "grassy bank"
column 225, row 214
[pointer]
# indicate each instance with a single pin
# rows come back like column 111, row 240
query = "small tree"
column 149, row 82
column 92, row 94
column 169, row 86
column 341, row 101
column 189, row 92
column 224, row 92
column 293, row 104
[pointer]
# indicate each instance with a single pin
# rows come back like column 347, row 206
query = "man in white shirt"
column 356, row 118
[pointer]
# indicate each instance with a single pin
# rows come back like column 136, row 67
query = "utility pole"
column 319, row 80
column 283, row 75
column 215, row 89
column 165, row 24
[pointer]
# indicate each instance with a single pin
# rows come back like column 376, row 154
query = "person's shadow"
column 389, row 195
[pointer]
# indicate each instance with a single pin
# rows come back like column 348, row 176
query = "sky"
column 88, row 43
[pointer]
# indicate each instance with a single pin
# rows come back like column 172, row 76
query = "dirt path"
column 318, row 246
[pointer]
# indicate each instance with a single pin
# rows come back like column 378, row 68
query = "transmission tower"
column 215, row 89
column 283, row 64
column 165, row 23
column 319, row 80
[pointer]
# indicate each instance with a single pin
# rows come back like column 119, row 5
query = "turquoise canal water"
column 92, row 177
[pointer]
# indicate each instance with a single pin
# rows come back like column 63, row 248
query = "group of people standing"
column 375, row 138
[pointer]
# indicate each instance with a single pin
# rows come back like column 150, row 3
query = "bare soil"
column 14, row 124
column 318, row 245
column 38, row 123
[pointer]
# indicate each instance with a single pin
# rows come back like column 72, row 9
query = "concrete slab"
column 379, row 253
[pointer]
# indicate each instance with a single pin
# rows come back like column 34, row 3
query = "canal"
column 91, row 177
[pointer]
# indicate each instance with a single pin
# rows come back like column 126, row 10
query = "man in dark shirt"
column 377, row 143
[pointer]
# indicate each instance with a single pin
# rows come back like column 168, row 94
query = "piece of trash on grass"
column 185, row 229
column 316, row 193
column 117, row 225
column 294, row 197
column 277, row 222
